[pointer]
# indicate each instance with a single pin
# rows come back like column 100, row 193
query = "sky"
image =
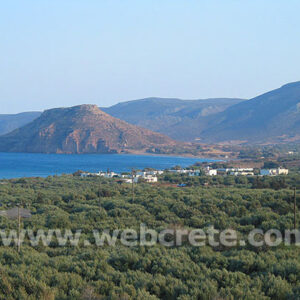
column 56, row 53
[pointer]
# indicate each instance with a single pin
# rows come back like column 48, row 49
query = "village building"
column 274, row 172
column 210, row 172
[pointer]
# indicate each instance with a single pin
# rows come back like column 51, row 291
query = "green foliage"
column 156, row 272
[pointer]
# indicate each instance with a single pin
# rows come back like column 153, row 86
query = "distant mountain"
column 81, row 129
column 271, row 117
column 11, row 122
column 179, row 119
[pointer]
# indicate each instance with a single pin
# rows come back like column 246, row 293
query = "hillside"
column 271, row 117
column 179, row 119
column 10, row 122
column 81, row 129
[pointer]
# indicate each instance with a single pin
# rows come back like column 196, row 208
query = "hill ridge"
column 80, row 129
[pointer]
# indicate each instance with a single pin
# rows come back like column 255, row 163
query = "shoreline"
column 18, row 165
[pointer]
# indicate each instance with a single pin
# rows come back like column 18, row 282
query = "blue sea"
column 16, row 165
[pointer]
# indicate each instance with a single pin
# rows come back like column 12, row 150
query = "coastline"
column 17, row 165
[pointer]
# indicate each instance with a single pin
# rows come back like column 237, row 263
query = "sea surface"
column 16, row 165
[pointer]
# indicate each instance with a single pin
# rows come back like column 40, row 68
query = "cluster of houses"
column 134, row 177
column 208, row 171
column 250, row 172
column 152, row 176
column 145, row 176
column 237, row 171
column 274, row 172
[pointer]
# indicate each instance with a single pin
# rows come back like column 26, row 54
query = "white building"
column 101, row 174
column 155, row 172
column 88, row 174
column 147, row 176
column 150, row 178
column 210, row 172
column 242, row 173
column 228, row 170
column 181, row 171
column 274, row 172
column 238, row 171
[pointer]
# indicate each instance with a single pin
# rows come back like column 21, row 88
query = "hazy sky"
column 66, row 52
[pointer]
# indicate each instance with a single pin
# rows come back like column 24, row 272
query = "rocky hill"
column 81, row 129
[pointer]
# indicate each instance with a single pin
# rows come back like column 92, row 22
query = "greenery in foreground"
column 147, row 272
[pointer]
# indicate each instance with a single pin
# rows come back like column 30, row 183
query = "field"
column 147, row 272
